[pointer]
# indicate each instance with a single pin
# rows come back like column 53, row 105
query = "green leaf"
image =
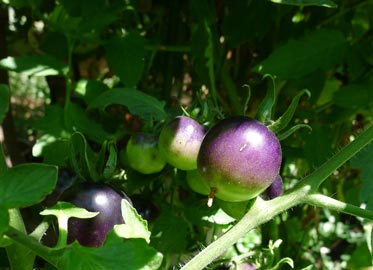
column 4, row 101
column 111, row 162
column 115, row 254
column 169, row 234
column 364, row 160
column 324, row 3
column 63, row 211
column 291, row 130
column 355, row 96
column 135, row 226
column 138, row 103
column 321, row 49
column 4, row 221
column 54, row 150
column 81, row 157
column 285, row 119
column 26, row 184
column 67, row 210
column 265, row 108
column 88, row 90
column 126, row 56
column 35, row 65
column 81, row 122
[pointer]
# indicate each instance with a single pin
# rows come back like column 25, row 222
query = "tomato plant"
column 265, row 106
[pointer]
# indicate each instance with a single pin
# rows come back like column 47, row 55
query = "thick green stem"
column 30, row 244
column 62, row 231
column 19, row 256
column 259, row 213
column 262, row 211
column 324, row 171
column 320, row 200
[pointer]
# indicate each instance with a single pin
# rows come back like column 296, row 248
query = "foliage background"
column 178, row 51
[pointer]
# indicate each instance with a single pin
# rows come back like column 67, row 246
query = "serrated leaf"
column 26, row 184
column 68, row 210
column 138, row 103
column 169, row 234
column 126, row 56
column 115, row 254
column 321, row 49
column 34, row 65
column 323, row 3
column 4, row 101
column 135, row 226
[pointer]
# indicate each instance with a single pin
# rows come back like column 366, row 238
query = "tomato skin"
column 180, row 140
column 94, row 197
column 275, row 190
column 239, row 158
column 197, row 183
column 142, row 154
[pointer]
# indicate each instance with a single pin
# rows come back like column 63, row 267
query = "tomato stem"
column 211, row 197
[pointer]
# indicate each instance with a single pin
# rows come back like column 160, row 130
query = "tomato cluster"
column 235, row 160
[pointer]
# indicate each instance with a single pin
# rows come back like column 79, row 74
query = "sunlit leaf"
column 135, row 226
column 320, row 49
column 35, row 65
column 115, row 254
column 26, row 184
column 324, row 3
column 138, row 103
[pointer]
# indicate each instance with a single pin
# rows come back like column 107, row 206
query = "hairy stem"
column 324, row 201
column 324, row 171
column 31, row 244
column 19, row 256
column 262, row 211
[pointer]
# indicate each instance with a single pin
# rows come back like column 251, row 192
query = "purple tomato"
column 239, row 158
column 94, row 197
column 180, row 140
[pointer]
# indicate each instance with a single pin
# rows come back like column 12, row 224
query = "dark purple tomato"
column 94, row 197
column 145, row 207
column 142, row 154
column 275, row 189
column 239, row 158
column 180, row 140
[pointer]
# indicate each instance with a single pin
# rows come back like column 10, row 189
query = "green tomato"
column 197, row 183
column 142, row 154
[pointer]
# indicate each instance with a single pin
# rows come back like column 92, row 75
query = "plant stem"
column 316, row 178
column 262, row 211
column 62, row 231
column 19, row 256
column 31, row 244
column 324, row 201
